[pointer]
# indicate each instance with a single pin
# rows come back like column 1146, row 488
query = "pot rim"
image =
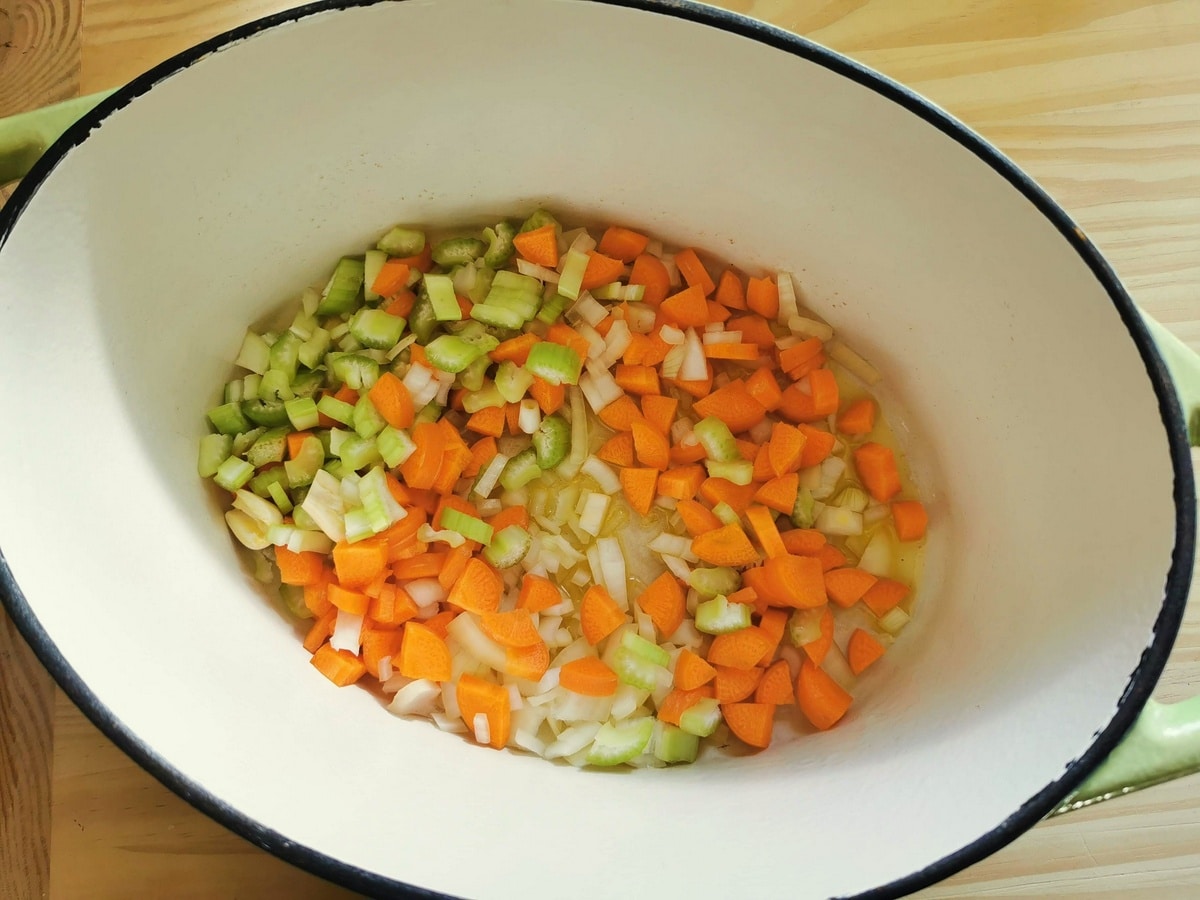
column 1137, row 690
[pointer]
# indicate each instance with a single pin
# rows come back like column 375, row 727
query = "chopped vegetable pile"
column 578, row 498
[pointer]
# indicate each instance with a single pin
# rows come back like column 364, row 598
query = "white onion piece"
column 448, row 723
column 616, row 342
column 722, row 337
column 257, row 508
column 894, row 620
column 595, row 508
column 385, row 668
column 425, row 591
column 417, row 698
column 626, row 700
column 490, row 476
column 466, row 631
column 853, row 363
column 581, row 240
column 879, row 557
column 528, row 740
column 675, row 545
column 325, row 507
column 695, row 364
column 788, row 307
column 687, row 635
column 671, row 335
column 347, row 632
column 482, row 730
column 681, row 428
column 641, row 319
column 807, row 327
column 530, row 416
column 605, row 477
column 654, row 247
column 251, row 533
column 612, row 563
column 677, row 566
column 673, row 361
column 839, row 520
column 525, row 267
column 668, row 260
column 590, row 310
column 572, row 740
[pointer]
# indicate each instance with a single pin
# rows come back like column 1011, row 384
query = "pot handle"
column 25, row 136
column 1164, row 742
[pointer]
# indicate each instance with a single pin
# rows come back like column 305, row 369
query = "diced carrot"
column 639, row 487
column 772, row 624
column 529, row 663
column 423, row 654
column 656, row 350
column 725, row 546
column 340, row 666
column 762, row 523
column 605, row 325
column 786, row 447
column 876, row 466
column 635, row 353
column 650, row 272
column 719, row 490
column 478, row 590
column 681, row 482
column 730, row 292
column 734, row 685
column 762, row 464
column 637, row 380
column 818, row 647
column 514, row 349
column 621, row 414
column 379, row 644
column 316, row 598
column 511, row 515
column 696, row 388
column 664, row 602
column 393, row 606
column 746, row 595
column 659, row 411
column 751, row 722
column 747, row 449
column 884, row 595
column 512, row 413
column 483, row 451
column 558, row 333
column 795, row 581
column 740, row 649
column 514, row 628
column 798, row 354
column 295, row 440
column 353, row 602
column 539, row 246
column 599, row 615
column 803, row 541
column 754, row 329
column 455, row 564
column 454, row 463
column 692, row 671
column 421, row 468
column 847, row 586
column 650, row 446
column 687, row 308
column 424, row 565
column 454, row 502
column 601, row 270
column 439, row 624
column 392, row 277
column 400, row 304
column 733, row 405
column 478, row 697
column 392, row 400
column 693, row 271
column 588, row 676
column 818, row 444
column 622, row 244
column 862, row 650
column 550, row 397
column 697, row 518
column 821, row 699
column 320, row 630
column 858, row 418
column 537, row 594
column 417, row 356
column 734, row 352
column 301, row 568
column 780, row 493
column 361, row 563
column 910, row 519
column 808, row 366
column 813, row 397
column 776, row 686
column 762, row 296
column 763, row 387
column 676, row 703
column 682, row 455
column 618, row 449
column 830, row 557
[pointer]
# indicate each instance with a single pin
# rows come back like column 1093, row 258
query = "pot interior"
column 207, row 204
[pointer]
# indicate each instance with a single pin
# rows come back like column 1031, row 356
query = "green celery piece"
column 279, row 494
column 233, row 473
column 401, row 241
column 726, row 513
column 497, row 316
column 293, row 601
column 358, row 525
column 712, row 581
column 553, row 308
column 618, row 743
column 442, row 299
column 341, row 296
column 674, row 745
column 647, row 650
column 302, row 413
column 804, row 513
column 228, row 418
column 255, row 354
column 552, row 441
column 353, row 369
column 250, row 385
column 717, row 440
column 470, row 527
column 243, row 441
column 305, row 384
column 520, row 470
column 570, row 280
column 512, row 381
column 554, row 363
column 458, row 251
column 635, row 670
column 269, row 448
column 268, row 413
column 739, row 472
column 500, row 244
column 301, row 469
column 508, row 547
column 234, row 390
column 372, row 264
column 395, row 446
column 422, row 320
column 366, row 421
column 430, row 412
column 313, row 350
column 275, row 385
column 719, row 616
column 338, row 410
column 376, row 329
column 214, row 450
column 285, row 354
column 525, row 284
column 303, row 520
column 473, row 376
column 450, row 353
column 701, row 718
column 522, row 302
column 485, row 398
column 539, row 219
column 261, row 482
column 483, row 283
column 357, row 452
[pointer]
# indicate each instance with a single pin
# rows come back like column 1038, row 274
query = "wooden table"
column 1098, row 99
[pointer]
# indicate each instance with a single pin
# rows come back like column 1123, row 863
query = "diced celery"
column 483, row 283
column 372, row 264
column 512, row 381
column 497, row 316
column 726, row 513
column 262, row 481
column 269, row 413
column 701, row 718
column 894, row 620
column 554, row 363
column 338, row 410
column 719, row 616
column 674, row 745
column 500, row 244
column 341, row 294
column 442, row 299
column 488, row 397
column 357, row 452
column 244, row 440
column 515, row 281
column 214, row 450
column 395, row 446
column 521, row 469
column 269, row 448
column 508, row 547
column 804, row 626
column 804, row 512
column 302, row 413
column 458, row 251
column 551, row 441
column 255, row 354
column 430, row 412
column 313, row 350
column 401, row 241
column 233, row 473
column 228, row 418
column 553, row 308
column 473, row 376
column 634, row 669
column 570, row 280
column 367, row 421
column 358, row 526
column 293, row 601
column 235, row 390
column 285, row 354
column 710, row 582
column 275, row 385
column 740, row 472
column 250, row 385
column 522, row 302
column 353, row 369
column 450, row 353
column 615, row 744
column 540, row 219
column 647, row 650
column 279, row 495
column 305, row 384
column 470, row 527
column 717, row 440
column 376, row 329
column 422, row 321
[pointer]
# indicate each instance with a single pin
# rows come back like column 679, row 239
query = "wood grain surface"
column 1099, row 100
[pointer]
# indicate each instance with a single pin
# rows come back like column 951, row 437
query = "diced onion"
column 677, row 566
column 490, row 476
column 605, row 477
column 525, row 267
column 595, row 508
column 588, row 309
column 425, row 592
column 788, row 307
column 466, row 631
column 572, row 740
column 257, row 508
column 250, row 532
column 809, row 327
column 417, row 698
column 448, row 723
column 347, row 632
column 616, row 342
column 695, row 364
column 530, row 416
column 853, row 363
column 894, row 620
column 673, row 361
column 671, row 335
column 674, row 545
column 483, row 731
column 641, row 319
column 722, row 337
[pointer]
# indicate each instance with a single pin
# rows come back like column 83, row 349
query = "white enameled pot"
column 1040, row 422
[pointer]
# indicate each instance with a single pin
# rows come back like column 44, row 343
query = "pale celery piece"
column 701, row 718
column 619, row 743
column 719, row 616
